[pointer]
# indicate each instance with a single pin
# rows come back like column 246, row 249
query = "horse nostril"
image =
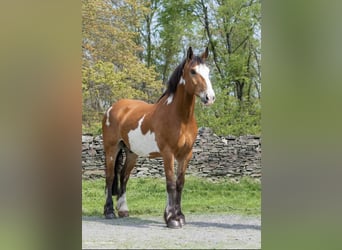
column 206, row 97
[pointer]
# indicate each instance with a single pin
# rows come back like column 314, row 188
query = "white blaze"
column 142, row 144
column 203, row 70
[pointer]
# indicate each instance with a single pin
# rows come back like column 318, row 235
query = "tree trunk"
column 212, row 45
column 239, row 89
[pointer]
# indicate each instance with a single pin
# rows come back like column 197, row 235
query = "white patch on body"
column 169, row 99
column 182, row 81
column 203, row 70
column 107, row 114
column 142, row 144
column 122, row 203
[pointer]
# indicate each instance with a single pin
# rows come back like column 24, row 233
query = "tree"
column 130, row 47
column 231, row 27
column 233, row 31
column 111, row 68
column 149, row 32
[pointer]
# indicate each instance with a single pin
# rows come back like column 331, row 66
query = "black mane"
column 176, row 76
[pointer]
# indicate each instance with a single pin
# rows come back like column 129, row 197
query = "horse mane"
column 173, row 80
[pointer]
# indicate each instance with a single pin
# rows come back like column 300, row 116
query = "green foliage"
column 229, row 116
column 131, row 47
column 111, row 67
column 146, row 196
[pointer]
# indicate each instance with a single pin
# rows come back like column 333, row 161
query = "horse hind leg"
column 111, row 154
column 117, row 170
column 125, row 172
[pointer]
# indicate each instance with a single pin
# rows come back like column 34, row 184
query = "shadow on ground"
column 225, row 225
column 129, row 221
column 146, row 223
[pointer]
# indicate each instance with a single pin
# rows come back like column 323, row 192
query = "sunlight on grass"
column 148, row 196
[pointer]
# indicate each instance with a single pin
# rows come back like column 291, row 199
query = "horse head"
column 195, row 77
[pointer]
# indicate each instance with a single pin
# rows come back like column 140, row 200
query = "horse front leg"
column 170, row 216
column 182, row 166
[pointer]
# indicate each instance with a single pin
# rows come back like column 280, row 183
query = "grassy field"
column 147, row 196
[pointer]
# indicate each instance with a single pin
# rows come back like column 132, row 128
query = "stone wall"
column 213, row 156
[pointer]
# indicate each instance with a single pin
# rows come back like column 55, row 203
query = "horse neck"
column 184, row 104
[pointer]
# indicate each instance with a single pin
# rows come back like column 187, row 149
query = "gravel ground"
column 200, row 231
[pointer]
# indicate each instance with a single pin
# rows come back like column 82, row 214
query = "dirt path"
column 201, row 231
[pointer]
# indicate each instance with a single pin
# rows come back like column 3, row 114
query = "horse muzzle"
column 207, row 98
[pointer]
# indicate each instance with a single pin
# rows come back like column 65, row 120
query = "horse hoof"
column 174, row 224
column 123, row 214
column 110, row 216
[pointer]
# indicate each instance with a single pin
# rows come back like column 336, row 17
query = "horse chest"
column 185, row 142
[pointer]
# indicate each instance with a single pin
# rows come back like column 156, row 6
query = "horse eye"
column 193, row 72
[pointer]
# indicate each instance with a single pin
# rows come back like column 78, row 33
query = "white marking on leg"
column 142, row 144
column 107, row 114
column 169, row 99
column 122, row 203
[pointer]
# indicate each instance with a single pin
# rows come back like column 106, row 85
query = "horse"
column 166, row 129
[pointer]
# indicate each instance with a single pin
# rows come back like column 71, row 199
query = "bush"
column 229, row 116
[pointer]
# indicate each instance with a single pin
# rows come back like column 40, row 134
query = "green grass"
column 147, row 196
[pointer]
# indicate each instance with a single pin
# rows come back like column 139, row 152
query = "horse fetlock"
column 169, row 213
column 173, row 220
column 109, row 212
column 110, row 216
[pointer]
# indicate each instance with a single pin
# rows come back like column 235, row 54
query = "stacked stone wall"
column 213, row 156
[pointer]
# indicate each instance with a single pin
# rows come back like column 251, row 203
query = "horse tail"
column 117, row 171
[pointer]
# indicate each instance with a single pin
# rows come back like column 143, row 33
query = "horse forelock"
column 197, row 60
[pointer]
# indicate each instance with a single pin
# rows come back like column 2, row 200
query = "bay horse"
column 166, row 129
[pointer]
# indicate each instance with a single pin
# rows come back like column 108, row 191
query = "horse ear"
column 189, row 54
column 205, row 54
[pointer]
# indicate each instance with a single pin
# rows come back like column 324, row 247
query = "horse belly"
column 142, row 144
